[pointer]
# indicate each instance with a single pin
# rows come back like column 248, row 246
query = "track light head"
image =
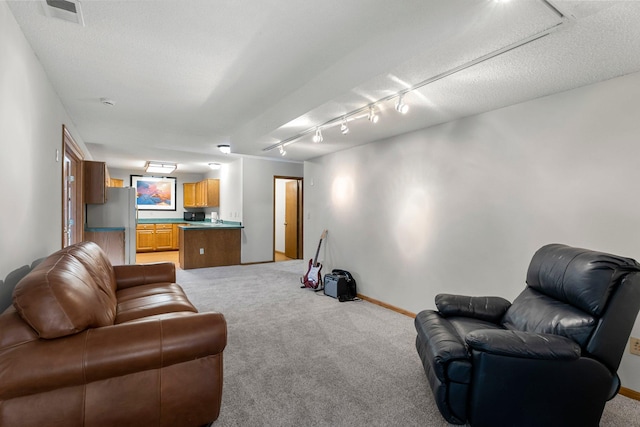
column 344, row 129
column 373, row 116
column 283, row 152
column 401, row 107
column 318, row 136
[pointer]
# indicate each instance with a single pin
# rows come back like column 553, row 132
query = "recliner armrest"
column 523, row 344
column 490, row 309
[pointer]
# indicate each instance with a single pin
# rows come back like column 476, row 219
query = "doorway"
column 72, row 200
column 287, row 218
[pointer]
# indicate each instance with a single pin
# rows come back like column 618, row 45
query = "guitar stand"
column 318, row 289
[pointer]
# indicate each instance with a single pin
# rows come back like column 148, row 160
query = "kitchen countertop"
column 193, row 225
column 103, row 229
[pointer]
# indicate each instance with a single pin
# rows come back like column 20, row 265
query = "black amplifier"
column 339, row 285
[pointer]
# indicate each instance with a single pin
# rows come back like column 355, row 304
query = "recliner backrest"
column 569, row 292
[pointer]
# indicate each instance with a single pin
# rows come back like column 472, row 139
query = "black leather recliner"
column 547, row 359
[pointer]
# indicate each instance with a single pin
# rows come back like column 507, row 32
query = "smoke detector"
column 68, row 10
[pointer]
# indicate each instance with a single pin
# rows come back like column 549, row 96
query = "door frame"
column 71, row 149
column 300, row 214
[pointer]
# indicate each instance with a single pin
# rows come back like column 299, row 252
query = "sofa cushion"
column 68, row 292
column 148, row 300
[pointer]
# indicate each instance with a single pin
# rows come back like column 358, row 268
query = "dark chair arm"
column 490, row 309
column 523, row 344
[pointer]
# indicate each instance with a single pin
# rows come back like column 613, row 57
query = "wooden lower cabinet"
column 164, row 237
column 155, row 237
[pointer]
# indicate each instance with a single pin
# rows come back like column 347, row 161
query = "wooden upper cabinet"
column 114, row 182
column 189, row 194
column 203, row 194
column 95, row 181
column 209, row 193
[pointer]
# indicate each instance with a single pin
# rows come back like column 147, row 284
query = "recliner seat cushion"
column 533, row 311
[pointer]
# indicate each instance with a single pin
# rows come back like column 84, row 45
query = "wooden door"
column 291, row 237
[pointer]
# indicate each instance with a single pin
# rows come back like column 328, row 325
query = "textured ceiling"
column 188, row 75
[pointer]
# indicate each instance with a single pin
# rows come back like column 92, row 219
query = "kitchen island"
column 207, row 244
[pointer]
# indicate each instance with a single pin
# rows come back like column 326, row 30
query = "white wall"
column 31, row 119
column 231, row 191
column 462, row 207
column 258, row 196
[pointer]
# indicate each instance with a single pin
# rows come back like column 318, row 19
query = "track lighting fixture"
column 225, row 148
column 283, row 152
column 368, row 111
column 318, row 136
column 401, row 107
column 373, row 116
column 344, row 129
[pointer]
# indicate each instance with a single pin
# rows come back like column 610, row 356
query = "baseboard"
column 387, row 306
column 627, row 392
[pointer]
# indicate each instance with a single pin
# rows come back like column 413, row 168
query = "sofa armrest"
column 110, row 351
column 490, row 309
column 143, row 274
column 523, row 344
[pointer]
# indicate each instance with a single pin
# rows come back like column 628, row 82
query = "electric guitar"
column 313, row 279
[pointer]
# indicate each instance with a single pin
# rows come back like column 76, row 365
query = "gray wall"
column 257, row 202
column 462, row 207
column 31, row 119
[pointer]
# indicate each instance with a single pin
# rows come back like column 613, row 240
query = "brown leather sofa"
column 89, row 344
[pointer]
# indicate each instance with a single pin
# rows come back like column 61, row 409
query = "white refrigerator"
column 119, row 211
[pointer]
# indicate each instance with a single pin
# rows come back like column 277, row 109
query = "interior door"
column 291, row 220
column 72, row 202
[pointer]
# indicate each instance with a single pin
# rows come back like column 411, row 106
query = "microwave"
column 194, row 216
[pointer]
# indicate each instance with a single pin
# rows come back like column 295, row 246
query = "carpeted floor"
column 298, row 358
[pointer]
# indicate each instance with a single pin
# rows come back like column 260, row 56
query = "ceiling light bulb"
column 214, row 166
column 373, row 117
column 344, row 128
column 225, row 148
column 401, row 107
column 318, row 136
column 283, row 152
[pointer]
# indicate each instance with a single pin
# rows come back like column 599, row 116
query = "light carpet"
column 295, row 357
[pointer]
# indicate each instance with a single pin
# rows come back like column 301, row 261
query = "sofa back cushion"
column 68, row 292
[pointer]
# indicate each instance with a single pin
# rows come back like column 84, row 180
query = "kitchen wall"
column 462, row 207
column 125, row 175
column 31, row 118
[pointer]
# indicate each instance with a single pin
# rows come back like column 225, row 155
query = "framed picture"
column 155, row 193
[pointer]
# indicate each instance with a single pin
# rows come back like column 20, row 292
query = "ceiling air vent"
column 69, row 10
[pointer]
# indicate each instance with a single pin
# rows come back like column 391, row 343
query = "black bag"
column 340, row 284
